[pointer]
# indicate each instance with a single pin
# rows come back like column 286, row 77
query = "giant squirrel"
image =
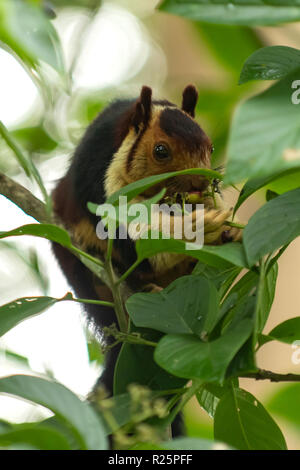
column 129, row 140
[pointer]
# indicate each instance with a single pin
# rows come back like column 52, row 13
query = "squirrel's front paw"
column 231, row 234
column 151, row 288
column 214, row 224
column 216, row 231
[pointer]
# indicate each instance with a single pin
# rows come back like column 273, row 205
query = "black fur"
column 94, row 154
column 189, row 100
column 180, row 126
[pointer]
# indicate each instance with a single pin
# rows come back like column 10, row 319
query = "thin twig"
column 262, row 374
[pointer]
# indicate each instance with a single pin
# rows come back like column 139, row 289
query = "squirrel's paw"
column 231, row 234
column 151, row 288
column 214, row 224
column 216, row 231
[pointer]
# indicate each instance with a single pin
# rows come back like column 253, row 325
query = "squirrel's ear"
column 189, row 100
column 143, row 107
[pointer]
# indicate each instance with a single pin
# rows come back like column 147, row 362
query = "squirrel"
column 129, row 140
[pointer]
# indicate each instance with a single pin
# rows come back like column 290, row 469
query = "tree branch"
column 23, row 198
column 262, row 374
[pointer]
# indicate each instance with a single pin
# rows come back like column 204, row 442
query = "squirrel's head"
column 159, row 137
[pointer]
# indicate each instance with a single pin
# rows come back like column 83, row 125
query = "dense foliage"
column 201, row 334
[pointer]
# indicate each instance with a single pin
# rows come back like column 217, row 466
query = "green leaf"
column 18, row 310
column 222, row 278
column 223, row 256
column 183, row 443
column 231, row 252
column 34, row 139
column 237, row 298
column 247, row 13
column 242, row 422
column 263, row 128
column 245, row 286
column 270, row 195
column 270, row 63
column 209, row 395
column 28, row 32
column 228, row 277
column 134, row 189
column 128, row 369
column 192, row 443
column 11, row 355
column 15, row 312
column 22, row 159
column 123, row 216
column 80, row 416
column 216, row 275
column 187, row 356
column 61, row 427
column 286, row 332
column 243, row 296
column 266, row 298
column 21, row 447
column 171, row 312
column 26, row 163
column 120, row 409
column 48, row 231
column 244, row 360
column 275, row 224
column 39, row 436
column 147, row 446
column 94, row 351
column 57, row 235
column 254, row 185
column 285, row 403
column 285, row 182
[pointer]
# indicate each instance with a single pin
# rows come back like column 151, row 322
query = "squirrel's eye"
column 212, row 149
column 161, row 152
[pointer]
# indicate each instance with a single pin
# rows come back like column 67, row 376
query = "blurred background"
column 110, row 49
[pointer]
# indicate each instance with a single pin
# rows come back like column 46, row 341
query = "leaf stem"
column 109, row 248
column 133, row 338
column 129, row 271
column 276, row 257
column 116, row 293
column 87, row 256
column 96, row 302
column 187, row 396
column 234, row 224
column 257, row 320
